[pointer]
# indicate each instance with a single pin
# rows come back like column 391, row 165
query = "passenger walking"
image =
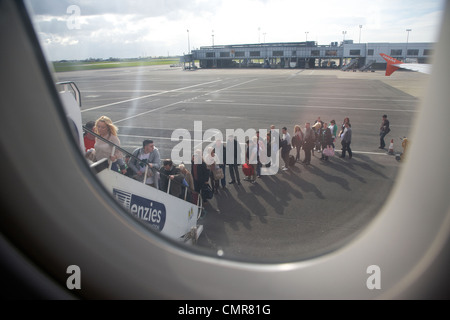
column 317, row 126
column 275, row 142
column 327, row 140
column 149, row 156
column 308, row 143
column 251, row 160
column 188, row 183
column 171, row 178
column 333, row 127
column 316, row 129
column 384, row 130
column 212, row 162
column 108, row 131
column 233, row 151
column 285, row 148
column 297, row 141
column 200, row 174
column 221, row 152
column 89, row 138
column 346, row 140
column 187, row 176
column 259, row 153
column 346, row 119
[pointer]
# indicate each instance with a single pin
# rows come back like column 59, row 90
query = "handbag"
column 218, row 174
column 328, row 151
column 207, row 192
column 247, row 169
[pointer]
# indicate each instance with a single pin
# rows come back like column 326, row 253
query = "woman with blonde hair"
column 108, row 131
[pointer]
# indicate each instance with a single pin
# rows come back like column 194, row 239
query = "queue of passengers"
column 209, row 170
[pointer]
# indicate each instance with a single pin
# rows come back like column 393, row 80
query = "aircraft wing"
column 393, row 64
column 420, row 67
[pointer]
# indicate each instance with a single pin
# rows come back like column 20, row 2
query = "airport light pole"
column 360, row 27
column 306, row 33
column 344, row 33
column 212, row 38
column 407, row 39
column 189, row 44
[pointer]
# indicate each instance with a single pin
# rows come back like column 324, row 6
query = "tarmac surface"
column 303, row 213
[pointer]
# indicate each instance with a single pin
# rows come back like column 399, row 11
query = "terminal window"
column 331, row 53
column 254, row 54
column 224, row 54
column 413, row 52
column 427, row 52
column 239, row 54
column 210, row 54
column 370, row 52
column 315, row 53
column 278, row 53
column 355, row 52
column 396, row 52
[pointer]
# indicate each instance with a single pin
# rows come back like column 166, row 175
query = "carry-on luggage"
column 247, row 169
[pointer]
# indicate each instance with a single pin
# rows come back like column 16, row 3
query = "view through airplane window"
column 177, row 77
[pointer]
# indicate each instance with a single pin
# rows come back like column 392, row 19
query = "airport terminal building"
column 346, row 55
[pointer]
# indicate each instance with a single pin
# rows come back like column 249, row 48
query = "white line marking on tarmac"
column 150, row 95
column 223, row 101
column 150, row 111
column 239, row 84
column 374, row 153
column 182, row 101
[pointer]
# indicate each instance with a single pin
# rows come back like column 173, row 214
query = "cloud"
column 117, row 28
column 143, row 8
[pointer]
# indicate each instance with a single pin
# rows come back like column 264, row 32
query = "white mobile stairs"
column 367, row 66
column 172, row 216
column 351, row 65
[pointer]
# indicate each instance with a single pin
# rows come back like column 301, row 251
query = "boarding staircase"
column 175, row 217
column 350, row 65
column 367, row 66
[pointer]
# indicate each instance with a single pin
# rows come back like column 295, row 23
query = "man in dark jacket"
column 384, row 130
column 346, row 141
column 200, row 174
column 308, row 142
column 327, row 140
column 172, row 173
column 233, row 148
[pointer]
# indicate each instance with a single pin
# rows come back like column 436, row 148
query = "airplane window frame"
column 183, row 266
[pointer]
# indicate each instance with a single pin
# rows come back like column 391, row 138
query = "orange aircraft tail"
column 391, row 62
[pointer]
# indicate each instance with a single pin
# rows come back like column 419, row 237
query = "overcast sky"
column 81, row 29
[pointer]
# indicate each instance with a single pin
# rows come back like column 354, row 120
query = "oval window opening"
column 254, row 146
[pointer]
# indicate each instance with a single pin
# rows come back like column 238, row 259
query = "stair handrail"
column 125, row 152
